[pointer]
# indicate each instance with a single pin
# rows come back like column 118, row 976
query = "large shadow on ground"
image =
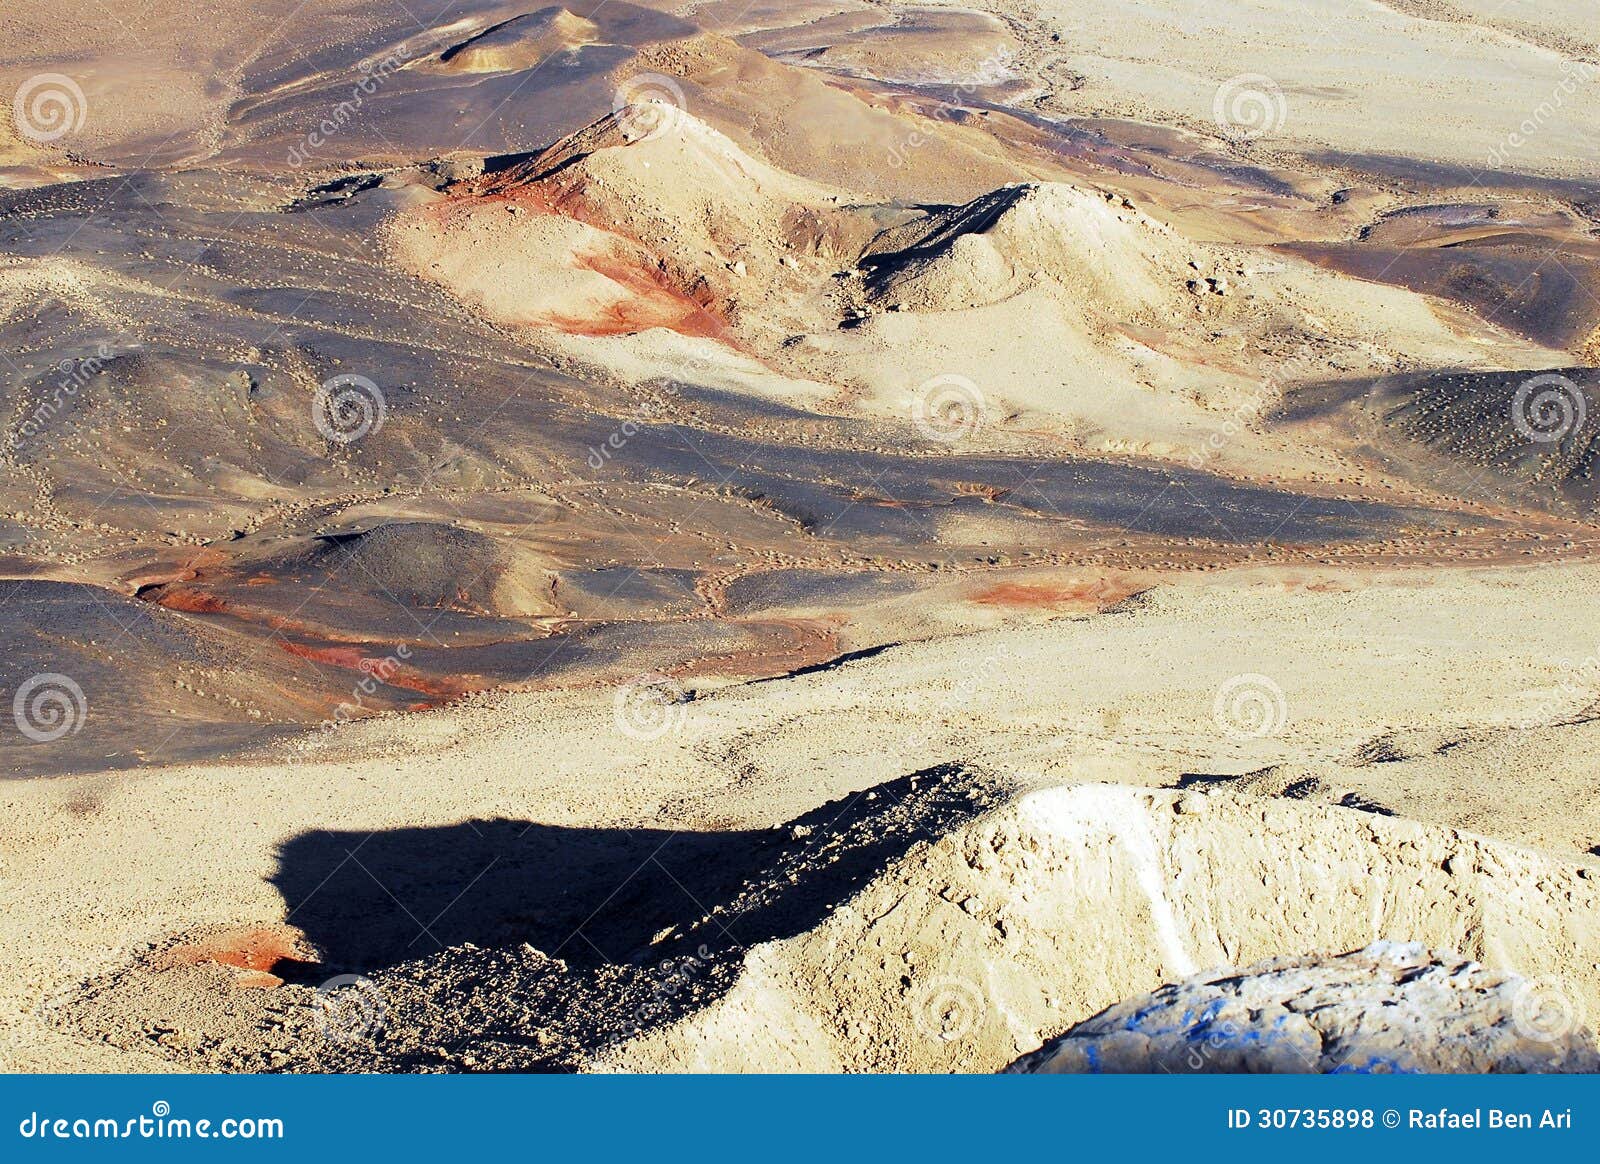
column 584, row 895
column 592, row 897
column 515, row 945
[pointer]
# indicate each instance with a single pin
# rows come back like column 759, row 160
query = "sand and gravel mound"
column 427, row 564
column 523, row 42
column 648, row 218
column 975, row 947
column 1392, row 1007
column 1053, row 306
column 1063, row 307
column 941, row 922
column 1520, row 437
column 1114, row 257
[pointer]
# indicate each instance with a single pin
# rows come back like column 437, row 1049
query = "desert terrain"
column 800, row 535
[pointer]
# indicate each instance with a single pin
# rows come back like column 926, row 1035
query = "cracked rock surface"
column 1392, row 1007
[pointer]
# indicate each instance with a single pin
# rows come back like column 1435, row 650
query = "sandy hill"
column 942, row 922
column 377, row 570
column 1117, row 259
column 663, row 175
column 1072, row 308
column 1522, row 438
column 1057, row 308
column 523, row 42
column 1052, row 904
column 646, row 218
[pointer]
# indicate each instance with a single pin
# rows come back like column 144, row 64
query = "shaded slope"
column 1530, row 439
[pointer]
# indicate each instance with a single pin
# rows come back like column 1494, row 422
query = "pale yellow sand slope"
column 1130, row 696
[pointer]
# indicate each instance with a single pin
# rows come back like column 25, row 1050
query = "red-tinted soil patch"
column 655, row 302
column 781, row 646
column 188, row 599
column 262, row 955
column 654, row 299
column 1093, row 593
column 387, row 670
